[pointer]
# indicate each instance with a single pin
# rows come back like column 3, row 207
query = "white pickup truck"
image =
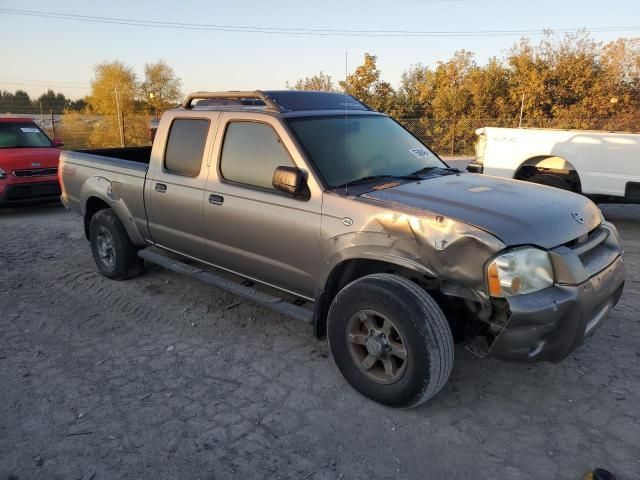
column 601, row 165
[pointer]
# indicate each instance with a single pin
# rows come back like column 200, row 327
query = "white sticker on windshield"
column 419, row 152
column 29, row 130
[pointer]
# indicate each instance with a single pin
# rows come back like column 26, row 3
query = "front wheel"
column 390, row 340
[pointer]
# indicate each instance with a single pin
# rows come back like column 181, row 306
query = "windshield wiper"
column 429, row 169
column 371, row 178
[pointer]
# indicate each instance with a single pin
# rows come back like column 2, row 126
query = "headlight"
column 2, row 174
column 518, row 272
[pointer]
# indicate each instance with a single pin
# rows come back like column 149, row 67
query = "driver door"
column 251, row 228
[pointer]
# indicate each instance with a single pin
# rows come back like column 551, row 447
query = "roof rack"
column 232, row 95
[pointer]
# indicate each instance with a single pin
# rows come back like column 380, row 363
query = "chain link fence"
column 449, row 136
column 446, row 136
column 79, row 131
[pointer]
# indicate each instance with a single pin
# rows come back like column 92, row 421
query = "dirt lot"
column 156, row 378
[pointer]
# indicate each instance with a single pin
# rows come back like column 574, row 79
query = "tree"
column 365, row 85
column 621, row 67
column 18, row 102
column 50, row 101
column 113, row 91
column 161, row 87
column 413, row 99
column 319, row 82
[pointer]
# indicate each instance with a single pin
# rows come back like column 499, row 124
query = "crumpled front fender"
column 434, row 245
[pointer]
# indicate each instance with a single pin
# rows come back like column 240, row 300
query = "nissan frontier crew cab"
column 315, row 206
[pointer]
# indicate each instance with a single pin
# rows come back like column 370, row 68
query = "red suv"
column 28, row 163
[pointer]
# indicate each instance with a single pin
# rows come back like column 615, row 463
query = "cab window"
column 185, row 146
column 251, row 152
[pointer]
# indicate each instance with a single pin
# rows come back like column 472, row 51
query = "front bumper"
column 32, row 192
column 549, row 324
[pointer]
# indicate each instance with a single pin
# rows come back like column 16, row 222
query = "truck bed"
column 133, row 154
column 114, row 175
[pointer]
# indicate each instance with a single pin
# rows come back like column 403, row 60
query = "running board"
column 264, row 299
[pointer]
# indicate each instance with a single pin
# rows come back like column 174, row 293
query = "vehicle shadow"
column 32, row 209
column 620, row 212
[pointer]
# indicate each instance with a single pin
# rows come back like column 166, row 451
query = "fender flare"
column 380, row 253
column 109, row 193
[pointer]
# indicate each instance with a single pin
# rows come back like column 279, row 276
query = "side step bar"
column 274, row 303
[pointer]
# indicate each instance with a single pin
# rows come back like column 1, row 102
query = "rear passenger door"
column 176, row 181
column 251, row 228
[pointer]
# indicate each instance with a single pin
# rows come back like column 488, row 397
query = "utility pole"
column 53, row 123
column 120, row 125
column 453, row 135
column 521, row 110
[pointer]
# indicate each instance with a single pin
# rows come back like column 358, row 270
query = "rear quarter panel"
column 118, row 183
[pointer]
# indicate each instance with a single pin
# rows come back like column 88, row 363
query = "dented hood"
column 516, row 212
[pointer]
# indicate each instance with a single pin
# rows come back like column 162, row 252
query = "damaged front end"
column 446, row 256
column 548, row 324
column 450, row 258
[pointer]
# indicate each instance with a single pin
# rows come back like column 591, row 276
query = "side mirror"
column 289, row 180
column 57, row 142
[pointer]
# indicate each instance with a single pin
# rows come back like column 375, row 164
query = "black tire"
column 550, row 180
column 418, row 320
column 121, row 261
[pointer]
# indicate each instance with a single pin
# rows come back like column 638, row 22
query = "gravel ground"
column 156, row 378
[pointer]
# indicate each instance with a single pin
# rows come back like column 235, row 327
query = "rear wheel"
column 390, row 340
column 115, row 255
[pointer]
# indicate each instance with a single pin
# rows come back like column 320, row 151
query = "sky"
column 61, row 53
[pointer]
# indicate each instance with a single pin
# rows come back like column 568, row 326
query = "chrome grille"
column 36, row 172
column 596, row 250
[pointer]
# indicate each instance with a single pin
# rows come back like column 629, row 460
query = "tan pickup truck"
column 315, row 206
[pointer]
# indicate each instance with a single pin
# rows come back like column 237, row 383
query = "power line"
column 302, row 31
column 58, row 82
column 45, row 85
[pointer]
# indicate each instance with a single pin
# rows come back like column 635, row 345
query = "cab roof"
column 275, row 101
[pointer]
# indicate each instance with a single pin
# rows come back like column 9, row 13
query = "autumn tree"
column 113, row 91
column 413, row 98
column 366, row 85
column 621, row 67
column 319, row 82
column 160, row 88
column 113, row 88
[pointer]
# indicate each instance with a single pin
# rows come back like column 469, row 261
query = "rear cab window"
column 251, row 152
column 185, row 146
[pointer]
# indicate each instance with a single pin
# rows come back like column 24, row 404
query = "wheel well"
column 551, row 165
column 345, row 273
column 94, row 205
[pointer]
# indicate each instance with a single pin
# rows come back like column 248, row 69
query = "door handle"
column 161, row 187
column 216, row 199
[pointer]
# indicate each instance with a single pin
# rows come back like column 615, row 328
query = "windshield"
column 348, row 149
column 22, row 135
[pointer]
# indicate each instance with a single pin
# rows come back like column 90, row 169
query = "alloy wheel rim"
column 377, row 346
column 105, row 247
